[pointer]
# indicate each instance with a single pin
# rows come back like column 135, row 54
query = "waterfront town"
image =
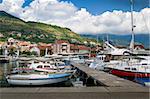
column 76, row 49
column 59, row 66
column 59, row 47
column 41, row 49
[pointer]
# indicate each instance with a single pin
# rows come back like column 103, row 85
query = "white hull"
column 147, row 84
column 36, row 79
column 36, row 82
column 57, row 71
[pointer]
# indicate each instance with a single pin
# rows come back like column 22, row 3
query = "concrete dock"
column 114, row 88
column 75, row 93
column 105, row 78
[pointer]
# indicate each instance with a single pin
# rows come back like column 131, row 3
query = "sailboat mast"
column 97, row 38
column 132, row 26
column 107, row 37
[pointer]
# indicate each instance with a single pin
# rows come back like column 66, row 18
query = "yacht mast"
column 97, row 38
column 132, row 28
column 107, row 37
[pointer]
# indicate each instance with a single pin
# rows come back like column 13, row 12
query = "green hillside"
column 11, row 26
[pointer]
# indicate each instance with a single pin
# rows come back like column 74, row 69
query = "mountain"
column 6, row 15
column 11, row 26
column 123, row 40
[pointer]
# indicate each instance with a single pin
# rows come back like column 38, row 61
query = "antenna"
column 132, row 28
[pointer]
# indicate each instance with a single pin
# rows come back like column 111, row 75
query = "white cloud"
column 79, row 20
column 12, row 6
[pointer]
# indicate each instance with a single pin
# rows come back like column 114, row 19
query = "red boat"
column 123, row 73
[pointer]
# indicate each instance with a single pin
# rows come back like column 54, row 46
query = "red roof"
column 83, row 47
column 73, row 46
column 139, row 45
column 61, row 41
column 94, row 49
column 44, row 47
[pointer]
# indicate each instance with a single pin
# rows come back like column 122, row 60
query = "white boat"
column 138, row 71
column 101, row 61
column 37, row 79
column 136, row 68
column 53, row 67
column 112, row 56
column 50, row 66
column 75, row 57
column 98, row 62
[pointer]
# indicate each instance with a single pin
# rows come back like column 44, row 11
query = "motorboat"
column 51, row 67
column 35, row 78
column 138, row 71
column 131, row 67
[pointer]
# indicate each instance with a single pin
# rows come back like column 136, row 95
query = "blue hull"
column 143, row 81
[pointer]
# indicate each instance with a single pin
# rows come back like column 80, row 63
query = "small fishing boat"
column 41, row 78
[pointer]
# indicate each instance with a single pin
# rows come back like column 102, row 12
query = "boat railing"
column 113, row 65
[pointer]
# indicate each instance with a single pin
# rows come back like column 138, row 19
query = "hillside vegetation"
column 11, row 26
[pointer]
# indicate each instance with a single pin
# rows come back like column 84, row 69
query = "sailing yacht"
column 138, row 70
column 110, row 55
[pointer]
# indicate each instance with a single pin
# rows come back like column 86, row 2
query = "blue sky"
column 99, row 6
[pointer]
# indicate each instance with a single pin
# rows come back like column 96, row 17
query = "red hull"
column 122, row 73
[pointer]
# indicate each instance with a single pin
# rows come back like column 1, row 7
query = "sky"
column 100, row 6
column 84, row 16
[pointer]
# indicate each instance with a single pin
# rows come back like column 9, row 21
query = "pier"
column 104, row 78
column 74, row 93
column 112, row 87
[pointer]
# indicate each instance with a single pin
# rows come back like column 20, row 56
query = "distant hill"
column 122, row 39
column 11, row 26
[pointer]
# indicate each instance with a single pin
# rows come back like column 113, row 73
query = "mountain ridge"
column 123, row 40
column 11, row 26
